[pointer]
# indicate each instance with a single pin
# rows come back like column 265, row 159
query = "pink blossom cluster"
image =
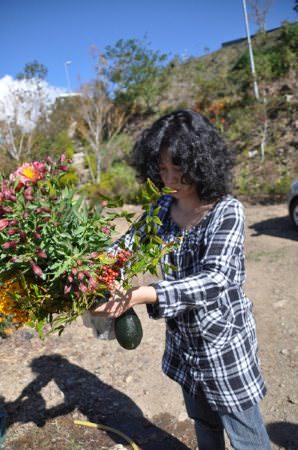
column 29, row 173
column 22, row 183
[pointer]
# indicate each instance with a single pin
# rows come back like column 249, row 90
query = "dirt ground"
column 46, row 385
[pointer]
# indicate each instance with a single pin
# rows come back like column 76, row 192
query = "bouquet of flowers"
column 54, row 247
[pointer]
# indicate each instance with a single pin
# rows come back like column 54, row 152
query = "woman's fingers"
column 107, row 309
column 117, row 304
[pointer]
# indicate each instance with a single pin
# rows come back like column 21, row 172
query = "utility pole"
column 66, row 64
column 251, row 56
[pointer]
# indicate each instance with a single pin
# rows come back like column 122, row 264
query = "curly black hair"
column 195, row 145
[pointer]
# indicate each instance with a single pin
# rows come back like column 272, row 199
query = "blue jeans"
column 245, row 429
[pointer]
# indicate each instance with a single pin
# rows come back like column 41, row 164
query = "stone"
column 280, row 304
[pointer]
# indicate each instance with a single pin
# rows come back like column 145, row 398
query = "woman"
column 211, row 347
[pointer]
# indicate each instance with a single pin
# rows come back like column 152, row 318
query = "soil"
column 46, row 385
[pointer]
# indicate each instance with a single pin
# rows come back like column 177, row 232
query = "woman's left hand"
column 121, row 300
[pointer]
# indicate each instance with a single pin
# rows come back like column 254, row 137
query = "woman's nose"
column 172, row 179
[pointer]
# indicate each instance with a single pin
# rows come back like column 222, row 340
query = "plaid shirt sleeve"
column 217, row 271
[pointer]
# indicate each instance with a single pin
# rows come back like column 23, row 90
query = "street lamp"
column 66, row 64
column 251, row 56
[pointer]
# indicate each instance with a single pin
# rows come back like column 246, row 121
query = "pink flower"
column 93, row 255
column 28, row 193
column 83, row 288
column 8, row 194
column 42, row 209
column 36, row 269
column 29, row 172
column 63, row 168
column 13, row 259
column 92, row 283
column 3, row 224
column 41, row 254
column 67, row 289
column 6, row 209
column 9, row 244
column 12, row 231
column 106, row 230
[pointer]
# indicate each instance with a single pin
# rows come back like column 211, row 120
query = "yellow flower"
column 31, row 173
column 8, row 305
column 8, row 330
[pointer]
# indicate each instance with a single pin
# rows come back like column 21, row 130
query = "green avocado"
column 128, row 330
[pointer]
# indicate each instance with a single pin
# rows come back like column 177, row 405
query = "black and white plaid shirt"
column 210, row 330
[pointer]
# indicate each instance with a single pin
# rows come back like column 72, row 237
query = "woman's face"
column 171, row 176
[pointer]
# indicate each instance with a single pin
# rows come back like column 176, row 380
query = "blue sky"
column 55, row 31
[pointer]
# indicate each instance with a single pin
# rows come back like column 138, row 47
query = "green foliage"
column 90, row 160
column 256, row 182
column 7, row 164
column 120, row 180
column 52, row 146
column 272, row 58
column 210, row 88
column 242, row 123
column 136, row 72
column 147, row 247
column 121, row 146
column 63, row 144
column 65, row 112
column 33, row 69
column 71, row 178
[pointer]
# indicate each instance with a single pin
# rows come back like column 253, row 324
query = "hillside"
column 219, row 85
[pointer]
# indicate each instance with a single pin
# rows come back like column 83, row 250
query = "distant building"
column 237, row 41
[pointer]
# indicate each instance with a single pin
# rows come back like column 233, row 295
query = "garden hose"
column 85, row 423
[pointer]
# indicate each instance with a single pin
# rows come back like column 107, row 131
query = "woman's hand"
column 121, row 300
column 118, row 303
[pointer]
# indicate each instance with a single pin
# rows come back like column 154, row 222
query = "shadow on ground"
column 98, row 401
column 276, row 226
column 284, row 434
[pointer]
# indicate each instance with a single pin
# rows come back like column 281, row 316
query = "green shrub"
column 70, row 178
column 273, row 58
column 44, row 146
column 118, row 181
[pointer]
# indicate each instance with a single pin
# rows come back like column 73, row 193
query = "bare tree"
column 101, row 121
column 258, row 11
column 25, row 102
